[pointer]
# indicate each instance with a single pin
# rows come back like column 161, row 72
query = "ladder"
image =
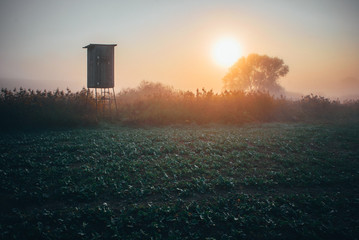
column 104, row 101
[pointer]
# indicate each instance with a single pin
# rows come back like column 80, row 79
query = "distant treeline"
column 156, row 104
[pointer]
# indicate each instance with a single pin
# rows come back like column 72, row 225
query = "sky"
column 171, row 41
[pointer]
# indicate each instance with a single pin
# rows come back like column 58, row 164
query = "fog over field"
column 172, row 42
column 215, row 119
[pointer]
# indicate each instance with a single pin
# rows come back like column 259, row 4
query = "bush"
column 22, row 109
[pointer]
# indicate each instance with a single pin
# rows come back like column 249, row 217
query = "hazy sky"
column 170, row 41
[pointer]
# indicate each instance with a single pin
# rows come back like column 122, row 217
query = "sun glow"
column 226, row 52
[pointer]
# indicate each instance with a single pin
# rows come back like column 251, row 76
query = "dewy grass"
column 276, row 181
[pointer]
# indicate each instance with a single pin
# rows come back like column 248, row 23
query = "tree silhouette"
column 256, row 73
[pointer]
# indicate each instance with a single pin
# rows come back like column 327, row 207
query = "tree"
column 256, row 73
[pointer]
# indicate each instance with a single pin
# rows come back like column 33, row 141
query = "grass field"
column 269, row 181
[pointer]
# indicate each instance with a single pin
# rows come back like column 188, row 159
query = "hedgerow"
column 157, row 104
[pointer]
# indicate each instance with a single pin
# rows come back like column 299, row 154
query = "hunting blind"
column 100, row 72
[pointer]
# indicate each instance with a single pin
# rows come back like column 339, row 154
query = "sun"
column 226, row 51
